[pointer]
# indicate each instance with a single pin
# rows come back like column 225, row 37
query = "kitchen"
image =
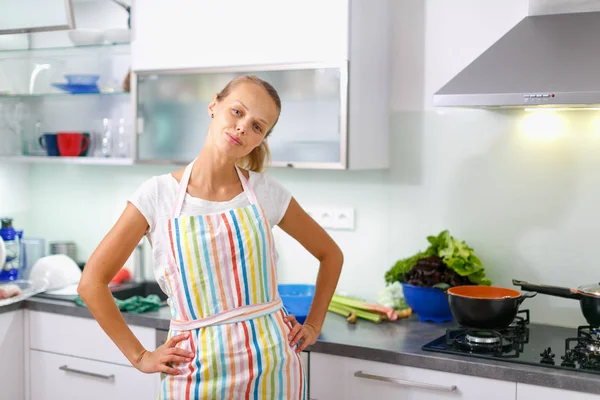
column 519, row 188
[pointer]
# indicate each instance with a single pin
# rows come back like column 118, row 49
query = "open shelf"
column 93, row 47
column 60, row 94
column 69, row 160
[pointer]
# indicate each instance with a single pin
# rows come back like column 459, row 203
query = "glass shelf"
column 65, row 94
column 68, row 160
column 93, row 47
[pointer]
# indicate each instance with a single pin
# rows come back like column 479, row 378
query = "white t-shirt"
column 155, row 199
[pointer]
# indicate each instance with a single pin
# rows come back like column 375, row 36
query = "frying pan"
column 588, row 296
column 485, row 307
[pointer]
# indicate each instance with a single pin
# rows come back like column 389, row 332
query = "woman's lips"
column 233, row 140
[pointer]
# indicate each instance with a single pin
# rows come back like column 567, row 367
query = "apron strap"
column 247, row 188
column 185, row 179
column 182, row 190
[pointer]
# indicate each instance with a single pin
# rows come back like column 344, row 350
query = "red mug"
column 71, row 144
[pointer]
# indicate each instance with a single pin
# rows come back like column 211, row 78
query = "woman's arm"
column 299, row 225
column 108, row 258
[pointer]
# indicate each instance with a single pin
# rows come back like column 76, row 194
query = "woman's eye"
column 257, row 127
column 236, row 111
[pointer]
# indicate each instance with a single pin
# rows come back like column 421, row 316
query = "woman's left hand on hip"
column 306, row 334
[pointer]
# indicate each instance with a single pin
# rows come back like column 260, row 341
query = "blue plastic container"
column 85, row 80
column 297, row 299
column 430, row 304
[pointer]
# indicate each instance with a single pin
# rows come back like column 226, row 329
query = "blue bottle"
column 10, row 270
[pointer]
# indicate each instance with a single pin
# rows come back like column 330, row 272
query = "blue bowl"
column 430, row 304
column 297, row 299
column 86, row 80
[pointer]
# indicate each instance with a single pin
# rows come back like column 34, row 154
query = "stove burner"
column 585, row 351
column 502, row 343
column 593, row 347
column 482, row 338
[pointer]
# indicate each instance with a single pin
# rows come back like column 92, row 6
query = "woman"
column 209, row 225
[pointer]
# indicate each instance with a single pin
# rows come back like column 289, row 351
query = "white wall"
column 14, row 194
column 524, row 199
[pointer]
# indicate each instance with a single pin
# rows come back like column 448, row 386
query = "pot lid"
column 593, row 290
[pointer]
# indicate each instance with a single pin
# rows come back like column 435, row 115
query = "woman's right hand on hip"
column 160, row 359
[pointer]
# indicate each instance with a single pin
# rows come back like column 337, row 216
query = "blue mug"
column 49, row 142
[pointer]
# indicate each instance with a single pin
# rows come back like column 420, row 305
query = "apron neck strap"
column 246, row 186
column 185, row 179
column 183, row 183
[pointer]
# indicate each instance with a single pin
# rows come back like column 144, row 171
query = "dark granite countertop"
column 395, row 343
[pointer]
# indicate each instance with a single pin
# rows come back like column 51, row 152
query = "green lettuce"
column 455, row 254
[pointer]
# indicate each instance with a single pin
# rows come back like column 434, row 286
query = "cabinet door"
column 173, row 119
column 195, row 34
column 341, row 377
column 527, row 392
column 11, row 355
column 62, row 377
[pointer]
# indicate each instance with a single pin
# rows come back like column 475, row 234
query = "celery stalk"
column 362, row 305
column 368, row 315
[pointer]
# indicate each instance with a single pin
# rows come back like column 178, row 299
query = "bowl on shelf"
column 86, row 37
column 82, row 79
column 430, row 304
column 297, row 299
column 117, row 35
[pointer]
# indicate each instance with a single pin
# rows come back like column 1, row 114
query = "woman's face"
column 242, row 119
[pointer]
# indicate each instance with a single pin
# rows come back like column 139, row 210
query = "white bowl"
column 117, row 35
column 58, row 270
column 86, row 37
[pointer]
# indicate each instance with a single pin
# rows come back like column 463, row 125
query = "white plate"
column 28, row 289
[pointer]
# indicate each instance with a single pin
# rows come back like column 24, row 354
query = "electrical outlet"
column 341, row 218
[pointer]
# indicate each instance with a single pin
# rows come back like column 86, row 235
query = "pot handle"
column 550, row 290
column 527, row 295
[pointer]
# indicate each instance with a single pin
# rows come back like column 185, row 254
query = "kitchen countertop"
column 389, row 342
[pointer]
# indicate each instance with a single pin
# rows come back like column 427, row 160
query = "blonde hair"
column 261, row 155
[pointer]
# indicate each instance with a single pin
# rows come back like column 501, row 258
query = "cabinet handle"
column 360, row 374
column 80, row 372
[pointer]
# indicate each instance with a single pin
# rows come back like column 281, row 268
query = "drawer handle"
column 360, row 374
column 80, row 372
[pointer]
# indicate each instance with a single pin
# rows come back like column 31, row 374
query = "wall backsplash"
column 14, row 194
column 522, row 196
column 520, row 188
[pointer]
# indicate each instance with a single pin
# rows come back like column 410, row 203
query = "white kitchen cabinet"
column 184, row 34
column 80, row 337
column 75, row 357
column 329, row 62
column 63, row 377
column 334, row 377
column 12, row 355
column 528, row 392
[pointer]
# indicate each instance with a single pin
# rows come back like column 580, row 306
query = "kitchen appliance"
column 526, row 67
column 66, row 248
column 576, row 349
column 9, row 270
column 588, row 296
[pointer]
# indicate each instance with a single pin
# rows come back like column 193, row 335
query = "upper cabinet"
column 195, row 34
column 329, row 61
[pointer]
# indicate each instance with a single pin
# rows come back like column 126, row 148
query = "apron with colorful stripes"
column 222, row 289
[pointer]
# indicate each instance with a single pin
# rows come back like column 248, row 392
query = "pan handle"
column 550, row 290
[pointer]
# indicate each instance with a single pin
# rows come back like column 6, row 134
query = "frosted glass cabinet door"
column 173, row 119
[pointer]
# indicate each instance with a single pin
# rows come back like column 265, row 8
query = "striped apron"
column 222, row 289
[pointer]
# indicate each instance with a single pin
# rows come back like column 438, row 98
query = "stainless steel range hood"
column 544, row 61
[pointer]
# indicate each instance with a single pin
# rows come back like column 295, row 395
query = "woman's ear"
column 211, row 107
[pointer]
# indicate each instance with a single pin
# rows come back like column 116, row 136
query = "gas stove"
column 526, row 343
